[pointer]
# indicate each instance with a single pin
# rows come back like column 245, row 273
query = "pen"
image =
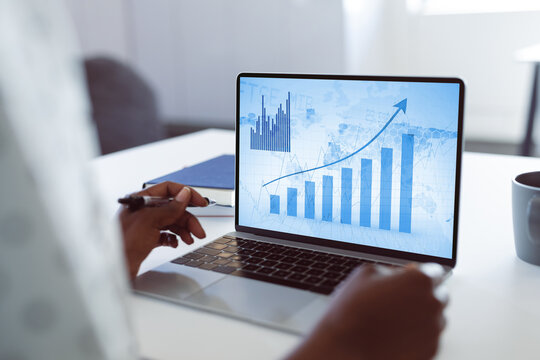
column 138, row 202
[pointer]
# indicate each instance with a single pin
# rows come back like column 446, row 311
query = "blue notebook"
column 213, row 178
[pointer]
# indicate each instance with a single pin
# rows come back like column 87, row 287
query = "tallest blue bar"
column 405, row 198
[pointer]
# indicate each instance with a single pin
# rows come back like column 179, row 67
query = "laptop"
column 332, row 172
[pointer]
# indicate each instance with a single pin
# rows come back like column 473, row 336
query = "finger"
column 168, row 239
column 170, row 188
column 442, row 323
column 357, row 277
column 435, row 271
column 182, row 232
column 441, row 294
column 186, row 237
column 167, row 188
column 187, row 222
column 170, row 213
column 365, row 270
column 195, row 227
column 384, row 270
column 197, row 199
column 417, row 278
column 173, row 243
column 411, row 266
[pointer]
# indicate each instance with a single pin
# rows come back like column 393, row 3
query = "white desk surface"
column 494, row 310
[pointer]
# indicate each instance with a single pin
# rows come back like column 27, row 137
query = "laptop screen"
column 370, row 161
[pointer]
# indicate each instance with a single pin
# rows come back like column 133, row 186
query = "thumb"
column 168, row 214
column 183, row 197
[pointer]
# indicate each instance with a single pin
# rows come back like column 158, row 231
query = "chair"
column 123, row 105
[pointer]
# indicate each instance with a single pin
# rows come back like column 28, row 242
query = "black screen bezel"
column 336, row 243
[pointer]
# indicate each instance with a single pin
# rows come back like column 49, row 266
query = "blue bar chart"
column 273, row 134
column 364, row 182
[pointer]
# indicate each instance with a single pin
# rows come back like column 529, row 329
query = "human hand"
column 379, row 316
column 142, row 229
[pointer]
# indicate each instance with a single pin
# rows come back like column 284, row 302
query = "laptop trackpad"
column 263, row 302
column 175, row 282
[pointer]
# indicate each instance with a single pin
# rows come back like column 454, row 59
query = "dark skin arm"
column 142, row 228
column 376, row 316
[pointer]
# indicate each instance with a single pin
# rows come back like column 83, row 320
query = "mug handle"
column 533, row 220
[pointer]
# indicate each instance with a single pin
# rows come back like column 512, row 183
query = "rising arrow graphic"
column 402, row 105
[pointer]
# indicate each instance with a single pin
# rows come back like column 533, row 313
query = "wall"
column 480, row 48
column 102, row 26
column 193, row 50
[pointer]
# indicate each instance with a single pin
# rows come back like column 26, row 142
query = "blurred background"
column 178, row 59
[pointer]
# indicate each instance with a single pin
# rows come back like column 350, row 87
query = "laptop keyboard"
column 315, row 271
